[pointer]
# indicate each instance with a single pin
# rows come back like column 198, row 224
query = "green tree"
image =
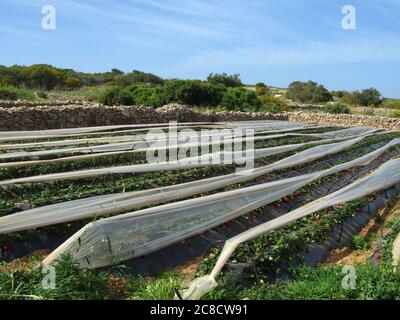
column 261, row 89
column 72, row 83
column 308, row 92
column 137, row 76
column 42, row 76
column 368, row 97
column 232, row 81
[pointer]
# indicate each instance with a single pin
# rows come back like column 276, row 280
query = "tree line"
column 141, row 88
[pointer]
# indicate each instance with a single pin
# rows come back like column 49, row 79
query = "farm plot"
column 91, row 194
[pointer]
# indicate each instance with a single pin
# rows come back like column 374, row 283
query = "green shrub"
column 230, row 81
column 12, row 93
column 396, row 114
column 115, row 96
column 193, row 92
column 239, row 99
column 337, row 108
column 272, row 105
column 391, row 104
column 144, row 95
column 360, row 243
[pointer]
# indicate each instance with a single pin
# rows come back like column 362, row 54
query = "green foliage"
column 42, row 76
column 325, row 283
column 71, row 283
column 137, row 76
column 360, row 243
column 261, row 89
column 193, row 92
column 72, row 83
column 367, row 97
column 160, row 288
column 396, row 114
column 240, row 99
column 46, row 77
column 308, row 92
column 114, row 96
column 391, row 104
column 337, row 108
column 232, row 81
column 12, row 93
column 272, row 105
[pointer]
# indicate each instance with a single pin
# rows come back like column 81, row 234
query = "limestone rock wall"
column 38, row 116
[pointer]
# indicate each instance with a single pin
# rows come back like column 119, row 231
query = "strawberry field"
column 114, row 225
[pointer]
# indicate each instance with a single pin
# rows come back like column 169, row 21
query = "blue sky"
column 274, row 41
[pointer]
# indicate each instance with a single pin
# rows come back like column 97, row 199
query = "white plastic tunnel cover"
column 123, row 237
column 383, row 178
column 116, row 203
column 151, row 167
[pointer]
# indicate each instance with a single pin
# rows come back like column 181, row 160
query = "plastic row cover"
column 140, row 141
column 71, row 131
column 115, row 139
column 116, row 203
column 142, row 146
column 383, row 178
column 130, row 146
column 59, row 133
column 396, row 252
column 131, row 235
column 152, row 167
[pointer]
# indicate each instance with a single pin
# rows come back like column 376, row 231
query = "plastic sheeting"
column 116, row 203
column 73, row 131
column 142, row 146
column 381, row 179
column 131, row 235
column 60, row 133
column 170, row 165
column 396, row 252
column 115, row 139
column 274, row 150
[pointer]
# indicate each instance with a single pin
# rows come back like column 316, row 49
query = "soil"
column 376, row 228
column 28, row 262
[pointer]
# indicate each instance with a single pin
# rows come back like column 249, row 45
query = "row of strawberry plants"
column 268, row 253
column 47, row 193
column 116, row 160
column 66, row 229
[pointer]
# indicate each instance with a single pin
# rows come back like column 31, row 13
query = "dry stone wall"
column 34, row 116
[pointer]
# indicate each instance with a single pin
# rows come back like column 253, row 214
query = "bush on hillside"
column 391, row 104
column 308, row 92
column 337, row 108
column 12, row 93
column 272, row 105
column 240, row 99
column 193, row 92
column 230, row 81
